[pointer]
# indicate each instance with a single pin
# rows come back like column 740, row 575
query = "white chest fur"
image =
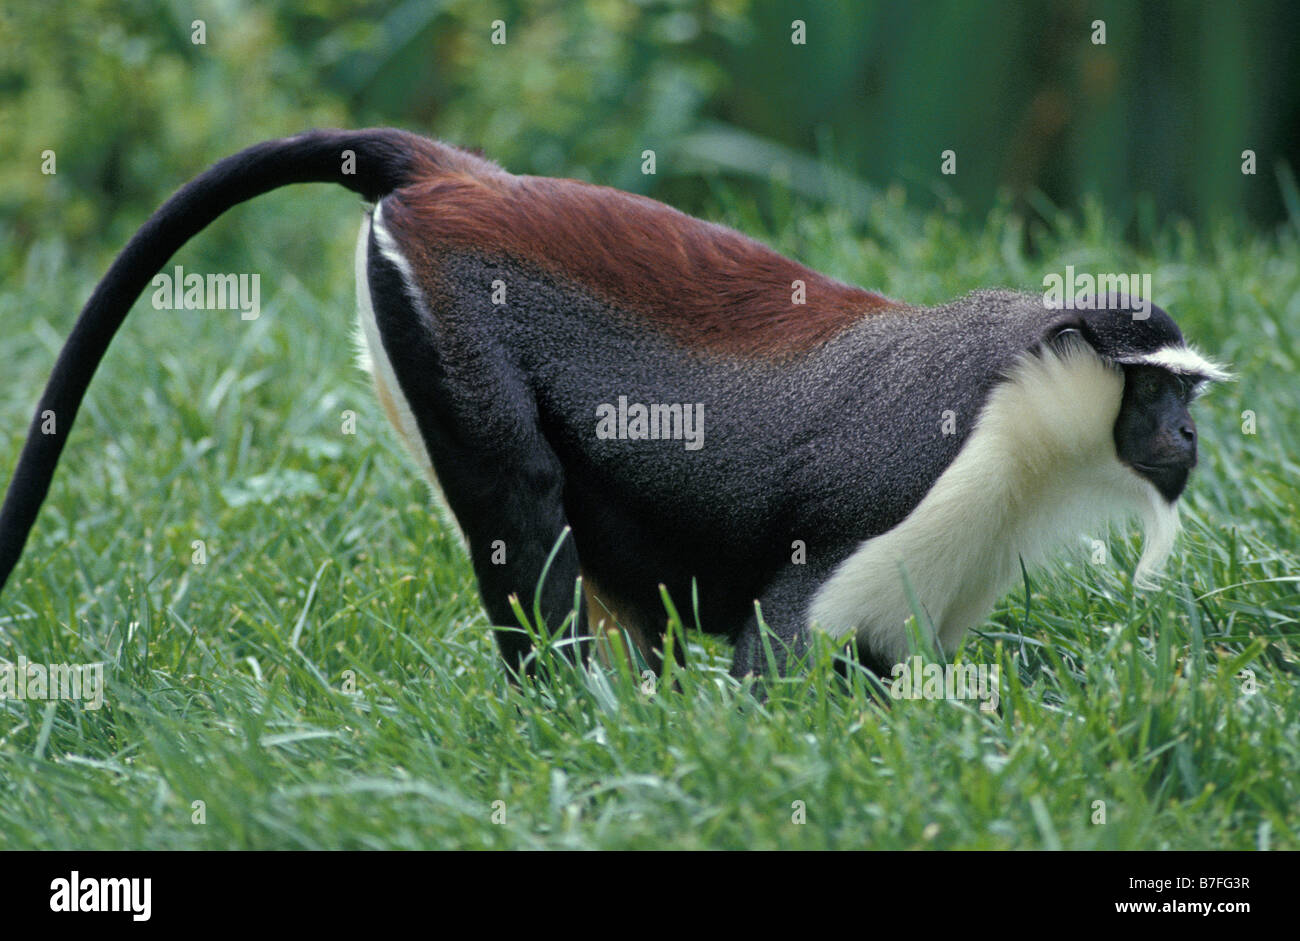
column 1039, row 468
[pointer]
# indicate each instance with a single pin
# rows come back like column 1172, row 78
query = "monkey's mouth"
column 1149, row 467
column 1169, row 478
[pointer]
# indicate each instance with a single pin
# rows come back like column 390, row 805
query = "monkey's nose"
column 1184, row 443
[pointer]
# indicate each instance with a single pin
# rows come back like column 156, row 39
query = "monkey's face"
column 1154, row 433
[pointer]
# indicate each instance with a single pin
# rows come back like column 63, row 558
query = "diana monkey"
column 838, row 444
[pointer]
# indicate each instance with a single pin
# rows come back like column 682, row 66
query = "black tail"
column 384, row 161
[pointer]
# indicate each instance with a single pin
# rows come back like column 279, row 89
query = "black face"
column 1154, row 433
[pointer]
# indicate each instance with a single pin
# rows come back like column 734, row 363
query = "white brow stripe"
column 1181, row 359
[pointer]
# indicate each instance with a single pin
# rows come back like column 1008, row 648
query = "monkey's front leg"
column 783, row 604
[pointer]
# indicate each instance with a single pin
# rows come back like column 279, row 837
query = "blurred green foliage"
column 1153, row 122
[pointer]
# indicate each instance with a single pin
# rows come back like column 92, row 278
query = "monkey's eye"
column 1189, row 387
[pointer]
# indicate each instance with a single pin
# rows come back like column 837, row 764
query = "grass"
column 327, row 680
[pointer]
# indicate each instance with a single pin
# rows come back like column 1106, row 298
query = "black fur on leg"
column 502, row 480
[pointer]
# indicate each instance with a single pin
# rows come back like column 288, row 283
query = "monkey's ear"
column 1065, row 334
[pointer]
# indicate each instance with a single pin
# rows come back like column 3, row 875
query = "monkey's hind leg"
column 464, row 405
column 520, row 546
column 506, row 493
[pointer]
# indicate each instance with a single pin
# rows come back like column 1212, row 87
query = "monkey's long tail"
column 384, row 160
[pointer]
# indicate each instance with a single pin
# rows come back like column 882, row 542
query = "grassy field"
column 327, row 680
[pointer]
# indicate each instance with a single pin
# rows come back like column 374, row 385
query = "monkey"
column 615, row 400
